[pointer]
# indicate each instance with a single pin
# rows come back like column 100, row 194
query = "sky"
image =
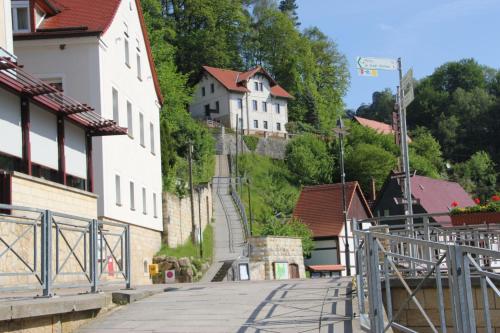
column 424, row 33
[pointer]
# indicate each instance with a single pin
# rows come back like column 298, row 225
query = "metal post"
column 404, row 147
column 250, row 206
column 47, row 253
column 193, row 223
column 374, row 292
column 340, row 125
column 128, row 261
column 94, row 229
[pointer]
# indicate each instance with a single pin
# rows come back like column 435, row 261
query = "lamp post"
column 341, row 131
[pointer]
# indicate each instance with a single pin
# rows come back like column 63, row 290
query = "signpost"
column 405, row 97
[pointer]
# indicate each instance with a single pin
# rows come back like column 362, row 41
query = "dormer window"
column 21, row 16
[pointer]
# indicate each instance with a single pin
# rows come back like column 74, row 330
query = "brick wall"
column 265, row 251
column 177, row 224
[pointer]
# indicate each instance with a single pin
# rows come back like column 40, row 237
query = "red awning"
column 13, row 78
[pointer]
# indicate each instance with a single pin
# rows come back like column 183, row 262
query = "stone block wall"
column 177, row 224
column 40, row 193
column 24, row 226
column 265, row 251
column 428, row 298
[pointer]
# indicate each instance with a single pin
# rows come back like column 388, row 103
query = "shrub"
column 251, row 142
column 273, row 226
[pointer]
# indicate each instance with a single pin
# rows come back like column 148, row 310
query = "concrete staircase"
column 229, row 232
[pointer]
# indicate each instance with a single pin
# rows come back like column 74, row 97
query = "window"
column 240, row 103
column 144, row 202
column 261, row 86
column 255, row 124
column 155, row 212
column 118, row 193
column 207, row 110
column 139, row 69
column 132, row 196
column 212, row 88
column 130, row 122
column 278, row 108
column 203, row 92
column 141, row 129
column 116, row 111
column 255, row 106
column 20, row 16
column 217, row 107
column 265, row 124
column 152, row 137
column 278, row 126
column 127, row 52
column 264, row 106
column 256, row 86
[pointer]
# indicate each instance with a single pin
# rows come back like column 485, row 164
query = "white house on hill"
column 98, row 51
column 253, row 97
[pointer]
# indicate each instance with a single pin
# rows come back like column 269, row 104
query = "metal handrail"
column 389, row 254
column 55, row 242
column 241, row 209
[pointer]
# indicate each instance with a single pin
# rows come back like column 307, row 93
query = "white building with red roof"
column 98, row 51
column 252, row 98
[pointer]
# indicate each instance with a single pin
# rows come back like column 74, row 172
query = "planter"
column 475, row 218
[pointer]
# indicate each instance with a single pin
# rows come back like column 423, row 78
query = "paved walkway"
column 229, row 234
column 322, row 305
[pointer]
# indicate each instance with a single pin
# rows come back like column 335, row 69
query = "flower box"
column 475, row 218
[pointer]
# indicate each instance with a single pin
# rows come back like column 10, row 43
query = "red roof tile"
column 320, row 207
column 378, row 126
column 436, row 196
column 236, row 81
column 81, row 17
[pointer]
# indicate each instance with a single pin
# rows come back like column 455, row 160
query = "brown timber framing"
column 25, row 128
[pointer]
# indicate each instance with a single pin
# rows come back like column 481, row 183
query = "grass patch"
column 188, row 249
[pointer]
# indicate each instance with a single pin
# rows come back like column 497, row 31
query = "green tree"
column 310, row 160
column 477, row 175
column 290, row 7
column 381, row 108
column 425, row 145
column 366, row 161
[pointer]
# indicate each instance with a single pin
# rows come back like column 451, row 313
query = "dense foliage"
column 251, row 142
column 455, row 108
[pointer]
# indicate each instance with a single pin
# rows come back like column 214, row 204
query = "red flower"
column 477, row 201
column 454, row 204
column 495, row 198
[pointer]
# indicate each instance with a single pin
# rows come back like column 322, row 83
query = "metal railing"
column 241, row 208
column 42, row 249
column 410, row 259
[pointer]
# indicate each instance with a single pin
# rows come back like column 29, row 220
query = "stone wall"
column 428, row 298
column 177, row 224
column 40, row 193
column 265, row 251
column 22, row 229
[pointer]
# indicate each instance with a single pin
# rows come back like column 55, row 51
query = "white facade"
column 6, row 26
column 266, row 117
column 90, row 68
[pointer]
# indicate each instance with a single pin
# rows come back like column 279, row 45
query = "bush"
column 308, row 157
column 289, row 228
column 251, row 142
